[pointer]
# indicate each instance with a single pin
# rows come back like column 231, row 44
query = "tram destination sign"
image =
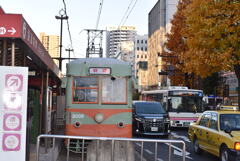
column 100, row 70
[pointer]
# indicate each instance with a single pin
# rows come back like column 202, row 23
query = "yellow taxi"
column 218, row 132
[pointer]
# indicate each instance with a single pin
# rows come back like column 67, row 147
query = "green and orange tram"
column 99, row 98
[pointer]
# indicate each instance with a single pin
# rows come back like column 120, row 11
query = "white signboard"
column 100, row 70
column 13, row 113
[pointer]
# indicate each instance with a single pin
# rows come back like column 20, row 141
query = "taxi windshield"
column 230, row 121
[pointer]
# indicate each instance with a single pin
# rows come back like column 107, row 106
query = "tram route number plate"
column 154, row 128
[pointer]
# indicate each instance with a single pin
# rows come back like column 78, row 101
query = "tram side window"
column 85, row 90
column 114, row 91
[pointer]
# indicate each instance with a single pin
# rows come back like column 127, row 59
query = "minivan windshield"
column 149, row 108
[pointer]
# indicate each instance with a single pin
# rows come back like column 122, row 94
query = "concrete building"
column 116, row 36
column 51, row 43
column 141, row 60
column 120, row 44
column 159, row 23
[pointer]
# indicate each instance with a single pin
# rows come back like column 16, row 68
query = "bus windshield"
column 185, row 104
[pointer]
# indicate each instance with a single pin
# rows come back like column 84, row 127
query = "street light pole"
column 62, row 17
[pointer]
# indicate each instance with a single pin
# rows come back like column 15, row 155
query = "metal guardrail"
column 113, row 140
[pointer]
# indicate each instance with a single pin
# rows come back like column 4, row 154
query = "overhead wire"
column 99, row 13
column 68, row 26
column 125, row 13
column 130, row 12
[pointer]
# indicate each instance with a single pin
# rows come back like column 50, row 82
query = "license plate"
column 154, row 129
column 186, row 123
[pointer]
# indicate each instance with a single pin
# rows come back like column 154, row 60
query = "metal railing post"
column 142, row 151
column 170, row 152
column 156, row 151
column 37, row 150
column 54, row 139
column 184, row 151
column 83, row 142
column 68, row 144
column 112, row 151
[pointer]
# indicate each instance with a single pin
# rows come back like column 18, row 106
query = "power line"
column 125, row 13
column 99, row 13
column 130, row 12
column 70, row 37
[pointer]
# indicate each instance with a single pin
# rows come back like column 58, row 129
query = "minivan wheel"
column 197, row 149
column 224, row 154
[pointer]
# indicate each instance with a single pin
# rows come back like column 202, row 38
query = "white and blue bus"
column 182, row 104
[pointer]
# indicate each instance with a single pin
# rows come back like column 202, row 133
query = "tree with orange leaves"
column 176, row 46
column 212, row 34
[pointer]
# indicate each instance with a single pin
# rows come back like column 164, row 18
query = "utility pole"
column 62, row 17
column 69, row 51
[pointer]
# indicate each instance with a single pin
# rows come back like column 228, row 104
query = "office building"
column 159, row 24
column 51, row 43
column 141, row 60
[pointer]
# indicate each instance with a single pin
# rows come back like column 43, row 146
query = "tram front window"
column 114, row 91
column 85, row 90
column 184, row 104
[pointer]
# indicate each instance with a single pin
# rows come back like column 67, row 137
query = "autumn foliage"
column 176, row 47
column 207, row 36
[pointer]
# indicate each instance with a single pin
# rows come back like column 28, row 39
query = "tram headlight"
column 120, row 124
column 77, row 124
column 99, row 117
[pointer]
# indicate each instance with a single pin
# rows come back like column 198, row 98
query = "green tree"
column 212, row 35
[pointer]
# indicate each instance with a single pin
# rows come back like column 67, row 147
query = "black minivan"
column 150, row 118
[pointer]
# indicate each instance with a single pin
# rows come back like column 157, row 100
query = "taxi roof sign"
column 229, row 108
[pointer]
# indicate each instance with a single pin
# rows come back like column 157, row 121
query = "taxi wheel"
column 197, row 149
column 224, row 154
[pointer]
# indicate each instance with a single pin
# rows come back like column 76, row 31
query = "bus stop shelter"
column 19, row 46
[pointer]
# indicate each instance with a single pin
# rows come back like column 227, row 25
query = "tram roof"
column 96, row 61
column 80, row 67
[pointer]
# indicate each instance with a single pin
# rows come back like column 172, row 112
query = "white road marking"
column 179, row 153
column 158, row 159
column 138, row 144
column 180, row 137
column 177, row 148
column 148, row 151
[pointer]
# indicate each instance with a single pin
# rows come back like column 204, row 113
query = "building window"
column 137, row 41
column 137, row 56
column 137, row 48
column 145, row 48
column 142, row 41
column 145, row 41
column 142, row 48
column 145, row 56
column 141, row 56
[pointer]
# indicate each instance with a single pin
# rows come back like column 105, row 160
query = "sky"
column 40, row 15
